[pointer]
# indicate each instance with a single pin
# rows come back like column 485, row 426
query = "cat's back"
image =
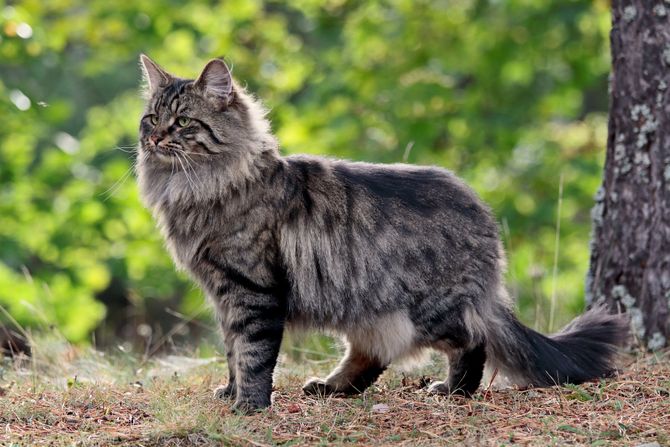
column 407, row 191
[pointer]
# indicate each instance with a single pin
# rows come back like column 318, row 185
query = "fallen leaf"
column 293, row 408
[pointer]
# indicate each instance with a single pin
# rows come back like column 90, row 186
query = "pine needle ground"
column 86, row 398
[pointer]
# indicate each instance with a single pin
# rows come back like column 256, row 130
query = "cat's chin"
column 160, row 156
column 164, row 157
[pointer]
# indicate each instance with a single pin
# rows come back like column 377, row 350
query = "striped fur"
column 396, row 258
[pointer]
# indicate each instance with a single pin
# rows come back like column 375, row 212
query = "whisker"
column 109, row 192
column 188, row 177
column 196, row 153
column 179, row 148
column 189, row 162
column 127, row 149
column 187, row 155
column 134, row 149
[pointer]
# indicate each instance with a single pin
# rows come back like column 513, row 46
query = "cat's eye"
column 153, row 119
column 183, row 121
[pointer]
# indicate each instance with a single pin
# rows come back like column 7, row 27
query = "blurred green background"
column 510, row 94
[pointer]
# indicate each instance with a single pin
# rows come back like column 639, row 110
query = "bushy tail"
column 585, row 349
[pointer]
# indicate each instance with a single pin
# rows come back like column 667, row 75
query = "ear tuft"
column 216, row 82
column 154, row 75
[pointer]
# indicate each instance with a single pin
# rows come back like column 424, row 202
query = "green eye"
column 183, row 121
column 153, row 119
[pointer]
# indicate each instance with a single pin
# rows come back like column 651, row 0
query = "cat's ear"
column 216, row 83
column 154, row 75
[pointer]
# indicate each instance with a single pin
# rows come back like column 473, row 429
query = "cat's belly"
column 386, row 337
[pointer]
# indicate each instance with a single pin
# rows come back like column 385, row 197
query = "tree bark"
column 630, row 253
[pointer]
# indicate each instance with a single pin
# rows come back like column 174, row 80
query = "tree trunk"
column 630, row 257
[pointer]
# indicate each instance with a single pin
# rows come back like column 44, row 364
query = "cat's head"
column 189, row 123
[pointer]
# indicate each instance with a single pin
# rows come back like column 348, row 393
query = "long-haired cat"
column 395, row 258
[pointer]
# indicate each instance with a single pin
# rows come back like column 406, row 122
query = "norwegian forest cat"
column 395, row 258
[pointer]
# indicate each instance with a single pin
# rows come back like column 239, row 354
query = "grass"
column 64, row 396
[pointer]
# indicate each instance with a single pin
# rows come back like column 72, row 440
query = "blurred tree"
column 630, row 259
column 507, row 94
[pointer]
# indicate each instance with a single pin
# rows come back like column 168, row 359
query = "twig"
column 552, row 310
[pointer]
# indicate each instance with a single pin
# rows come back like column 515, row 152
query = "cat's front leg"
column 228, row 391
column 257, row 324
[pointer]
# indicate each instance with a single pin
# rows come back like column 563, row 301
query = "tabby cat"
column 394, row 258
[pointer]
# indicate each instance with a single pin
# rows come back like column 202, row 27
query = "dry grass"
column 121, row 401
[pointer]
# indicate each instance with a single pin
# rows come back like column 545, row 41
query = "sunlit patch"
column 67, row 143
column 20, row 100
column 8, row 12
column 24, row 31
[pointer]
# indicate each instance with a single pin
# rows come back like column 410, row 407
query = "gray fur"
column 396, row 258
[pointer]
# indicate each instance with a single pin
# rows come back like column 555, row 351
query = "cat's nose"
column 155, row 139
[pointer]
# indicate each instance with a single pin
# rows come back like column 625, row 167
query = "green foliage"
column 510, row 95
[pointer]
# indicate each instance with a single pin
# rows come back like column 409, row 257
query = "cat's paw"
column 442, row 388
column 225, row 392
column 249, row 407
column 318, row 387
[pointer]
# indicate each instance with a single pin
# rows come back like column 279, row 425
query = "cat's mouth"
column 161, row 152
column 162, row 155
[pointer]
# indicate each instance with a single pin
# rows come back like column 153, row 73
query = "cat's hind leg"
column 458, row 330
column 356, row 371
column 466, row 368
column 371, row 348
